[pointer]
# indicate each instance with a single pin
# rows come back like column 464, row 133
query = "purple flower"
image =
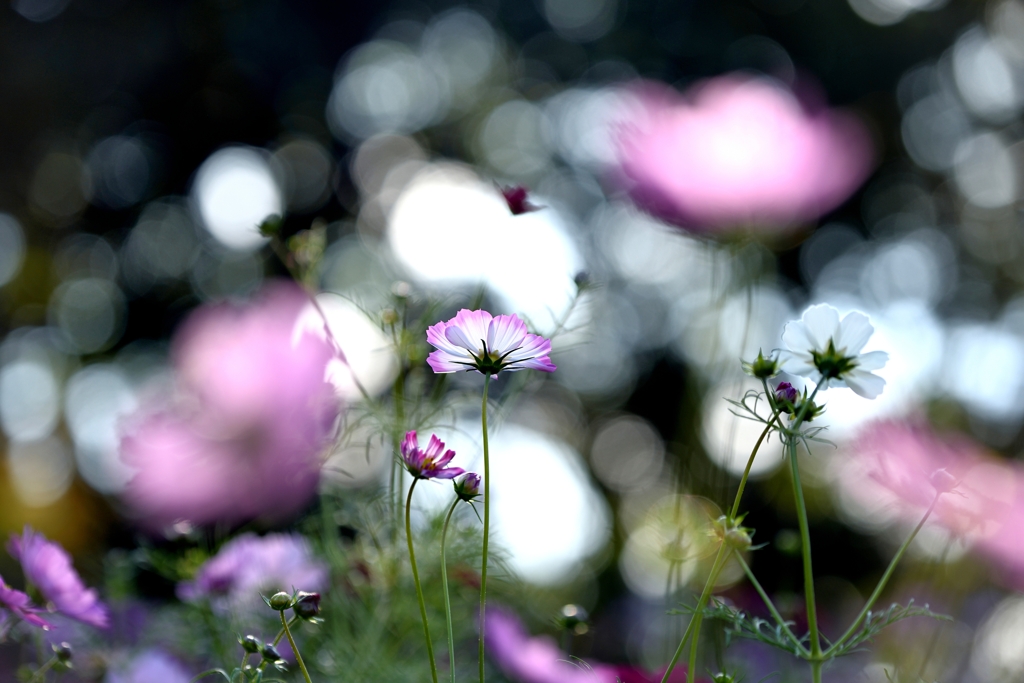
column 250, row 418
column 250, row 565
column 19, row 604
column 475, row 340
column 148, row 667
column 739, row 153
column 48, row 567
column 467, row 487
column 429, row 463
column 536, row 660
column 517, row 198
column 786, row 393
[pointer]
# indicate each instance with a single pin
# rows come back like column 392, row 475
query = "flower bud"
column 307, row 605
column 62, row 651
column 732, row 534
column 582, row 280
column 280, row 601
column 723, row 678
column 270, row 653
column 943, row 481
column 786, row 394
column 761, row 367
column 467, row 487
column 271, row 225
column 250, row 644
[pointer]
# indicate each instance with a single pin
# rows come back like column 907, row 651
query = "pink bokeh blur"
column 903, row 466
column 244, row 430
column 739, row 153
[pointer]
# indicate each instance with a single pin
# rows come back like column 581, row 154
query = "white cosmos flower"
column 826, row 350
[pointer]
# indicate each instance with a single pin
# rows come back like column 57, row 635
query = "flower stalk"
column 447, row 596
column 487, row 526
column 416, row 581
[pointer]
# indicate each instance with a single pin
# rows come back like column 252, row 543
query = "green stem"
column 769, row 604
column 416, row 581
column 280, row 635
column 746, row 470
column 40, row 674
column 295, row 648
column 805, row 545
column 444, row 587
column 716, row 569
column 885, row 578
column 695, row 622
column 816, row 670
column 487, row 527
column 398, row 394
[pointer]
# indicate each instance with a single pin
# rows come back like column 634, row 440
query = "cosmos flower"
column 48, row 567
column 528, row 659
column 475, row 340
column 249, row 565
column 20, row 605
column 428, row 463
column 148, row 667
column 739, row 153
column 828, row 350
column 249, row 418
column 518, row 199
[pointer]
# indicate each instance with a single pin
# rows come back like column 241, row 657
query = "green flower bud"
column 761, row 367
column 62, row 652
column 270, row 653
column 280, row 601
column 250, row 644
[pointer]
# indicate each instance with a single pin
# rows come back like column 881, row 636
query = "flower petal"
column 505, row 333
column 822, row 323
column 864, row 383
column 873, row 360
column 853, row 333
column 442, row 362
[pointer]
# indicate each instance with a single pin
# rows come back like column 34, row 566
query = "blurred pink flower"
column 739, row 153
column 906, row 464
column 251, row 415
column 20, row 605
column 148, row 667
column 47, row 566
column 249, row 565
column 528, row 659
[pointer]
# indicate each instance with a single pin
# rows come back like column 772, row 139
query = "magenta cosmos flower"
column 47, row 566
column 244, row 431
column 20, row 605
column 249, row 565
column 476, row 340
column 430, row 462
column 739, row 152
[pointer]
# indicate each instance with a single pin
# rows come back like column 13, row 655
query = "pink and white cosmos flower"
column 430, row 462
column 476, row 340
column 739, row 153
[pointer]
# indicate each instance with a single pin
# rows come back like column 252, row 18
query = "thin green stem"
column 716, row 569
column 746, row 471
column 805, row 546
column 885, row 578
column 416, row 581
column 40, row 674
column 280, row 634
column 487, row 527
column 295, row 648
column 695, row 622
column 816, row 670
column 444, row 587
column 769, row 604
